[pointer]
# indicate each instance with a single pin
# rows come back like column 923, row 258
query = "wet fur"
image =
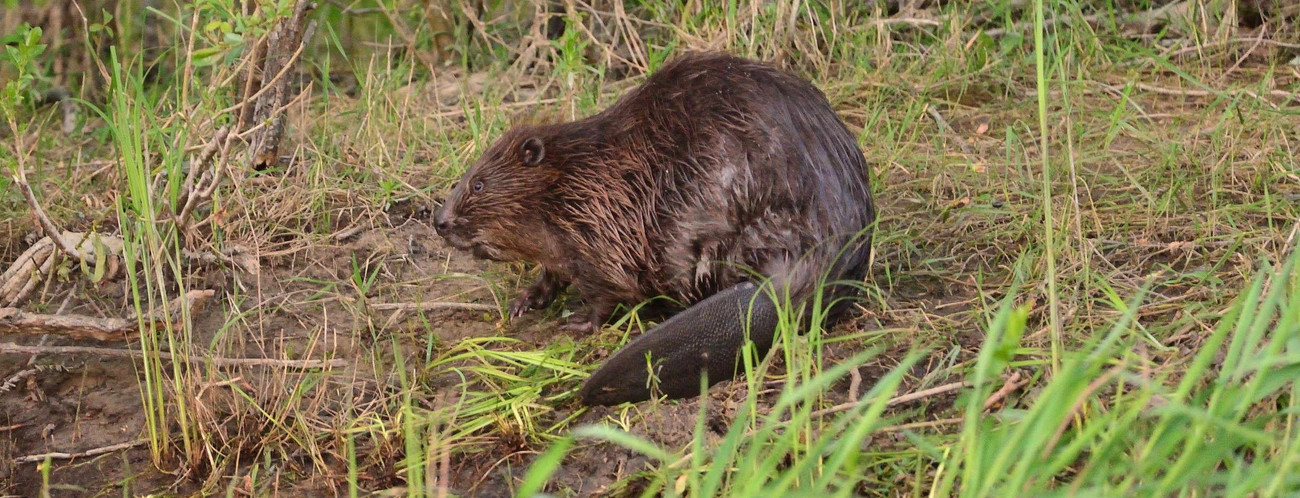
column 714, row 167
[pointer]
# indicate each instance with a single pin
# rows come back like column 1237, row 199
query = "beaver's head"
column 497, row 202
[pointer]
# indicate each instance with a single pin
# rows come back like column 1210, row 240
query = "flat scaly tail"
column 706, row 337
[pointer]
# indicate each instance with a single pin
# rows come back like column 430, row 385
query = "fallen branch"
column 37, row 261
column 16, row 321
column 88, row 453
column 11, row 348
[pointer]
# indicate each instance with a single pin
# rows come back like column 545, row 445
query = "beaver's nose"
column 442, row 220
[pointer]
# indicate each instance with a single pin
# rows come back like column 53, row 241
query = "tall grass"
column 1104, row 424
column 1104, row 415
column 151, row 255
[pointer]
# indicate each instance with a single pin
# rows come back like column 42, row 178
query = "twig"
column 1234, row 41
column 13, row 380
column 68, row 456
column 922, row 425
column 855, row 383
column 1251, row 50
column 1013, row 382
column 197, row 192
column 433, row 306
column 897, row 399
column 1144, row 17
column 943, row 124
column 346, row 233
column 508, row 105
column 51, row 230
column 1282, row 94
column 200, row 358
column 909, row 21
column 400, row 27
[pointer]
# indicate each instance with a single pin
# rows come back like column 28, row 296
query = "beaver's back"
column 723, row 164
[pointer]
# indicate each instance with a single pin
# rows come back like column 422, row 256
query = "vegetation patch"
column 222, row 278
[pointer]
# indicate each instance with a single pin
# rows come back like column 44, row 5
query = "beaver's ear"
column 532, row 151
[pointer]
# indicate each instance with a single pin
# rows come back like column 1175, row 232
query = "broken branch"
column 11, row 348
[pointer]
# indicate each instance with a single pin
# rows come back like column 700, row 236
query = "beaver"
column 724, row 183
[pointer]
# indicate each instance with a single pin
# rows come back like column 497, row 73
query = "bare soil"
column 78, row 403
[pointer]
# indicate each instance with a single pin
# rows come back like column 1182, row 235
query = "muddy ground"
column 79, row 403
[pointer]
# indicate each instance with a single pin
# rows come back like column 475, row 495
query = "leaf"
column 101, row 259
column 223, row 26
column 206, row 56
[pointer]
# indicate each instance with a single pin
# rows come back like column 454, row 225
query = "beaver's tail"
column 708, row 336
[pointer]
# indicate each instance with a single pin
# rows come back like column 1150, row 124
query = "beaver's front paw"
column 536, row 296
column 529, row 299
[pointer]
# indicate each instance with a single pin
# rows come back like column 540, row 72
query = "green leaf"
column 207, row 56
column 101, row 259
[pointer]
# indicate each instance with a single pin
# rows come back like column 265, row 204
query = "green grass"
column 1106, row 215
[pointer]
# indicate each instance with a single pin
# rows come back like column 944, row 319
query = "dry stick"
column 407, row 37
column 344, row 234
column 9, row 347
column 910, row 21
column 897, row 399
column 51, row 230
column 68, row 456
column 1208, row 93
column 1234, row 41
column 13, row 320
column 209, row 150
column 195, row 195
column 433, row 306
column 943, row 124
column 922, row 425
column 1141, row 17
column 1013, row 382
column 507, row 105
column 1245, row 56
column 855, row 383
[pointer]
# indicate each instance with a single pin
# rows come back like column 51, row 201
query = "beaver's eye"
column 478, row 186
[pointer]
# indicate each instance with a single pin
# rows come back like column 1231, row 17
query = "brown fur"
column 714, row 166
